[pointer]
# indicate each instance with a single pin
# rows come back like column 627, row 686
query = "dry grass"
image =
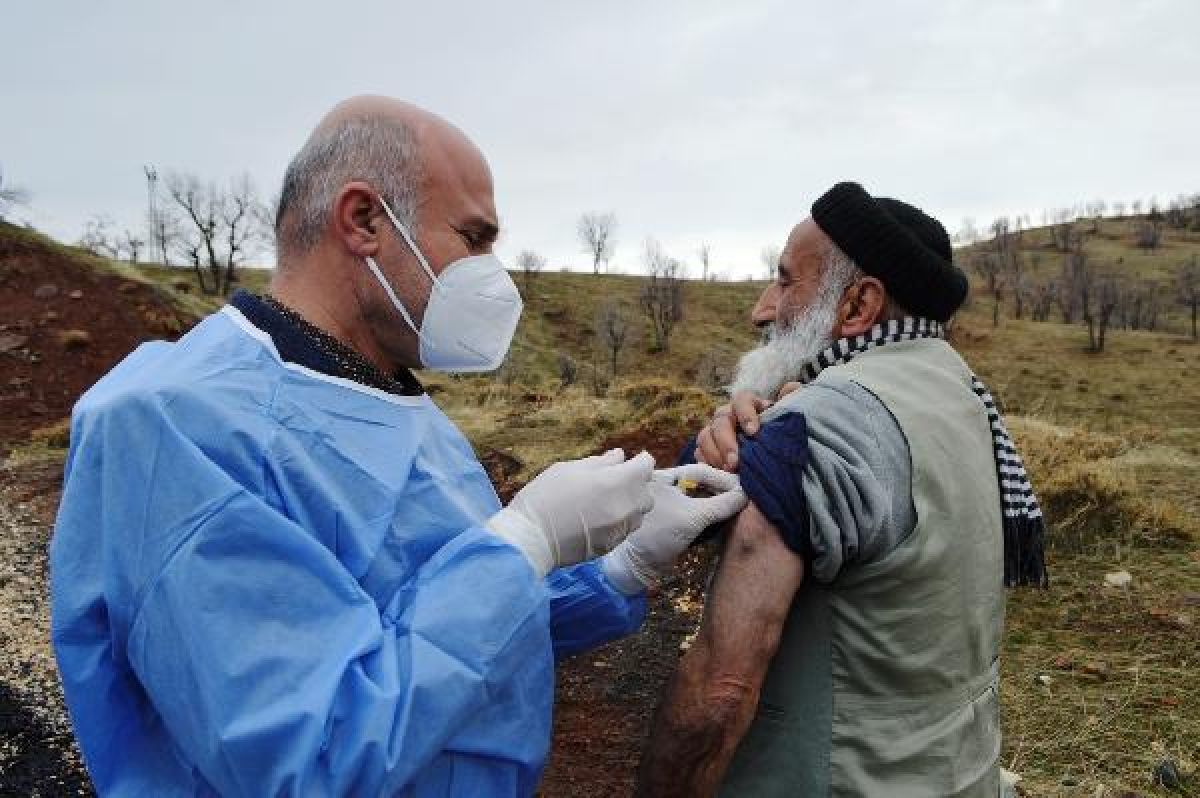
column 1102, row 684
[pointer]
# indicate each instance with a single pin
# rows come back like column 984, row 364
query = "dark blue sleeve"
column 771, row 468
column 688, row 455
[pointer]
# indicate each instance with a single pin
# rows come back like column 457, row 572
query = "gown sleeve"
column 587, row 611
column 273, row 671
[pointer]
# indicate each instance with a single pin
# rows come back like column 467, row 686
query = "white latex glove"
column 650, row 551
column 576, row 510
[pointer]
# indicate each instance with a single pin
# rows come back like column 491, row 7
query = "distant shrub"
column 568, row 371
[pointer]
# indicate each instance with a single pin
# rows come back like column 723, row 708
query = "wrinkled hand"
column 576, row 510
column 717, row 443
column 650, row 551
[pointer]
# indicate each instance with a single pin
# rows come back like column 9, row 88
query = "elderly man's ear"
column 861, row 307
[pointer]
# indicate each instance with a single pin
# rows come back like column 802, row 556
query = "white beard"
column 764, row 370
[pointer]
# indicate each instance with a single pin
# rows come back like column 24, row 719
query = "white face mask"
column 472, row 313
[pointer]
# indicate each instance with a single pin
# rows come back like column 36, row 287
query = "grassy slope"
column 1111, row 247
column 1113, row 443
column 1101, row 684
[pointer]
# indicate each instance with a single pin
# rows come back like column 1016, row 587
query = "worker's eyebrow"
column 481, row 229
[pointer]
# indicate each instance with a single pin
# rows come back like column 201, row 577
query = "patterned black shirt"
column 301, row 342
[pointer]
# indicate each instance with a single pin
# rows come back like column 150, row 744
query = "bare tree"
column 1000, row 228
column 597, row 233
column 132, row 245
column 1147, row 234
column 1187, row 283
column 511, row 370
column 1065, row 235
column 1041, row 298
column 1176, row 215
column 614, row 331
column 530, row 263
column 662, row 296
column 990, row 266
column 166, row 235
column 11, row 196
column 568, row 371
column 1011, row 265
column 222, row 227
column 770, row 259
column 1097, row 295
column 1020, row 288
column 1100, row 301
column 1075, row 271
column 99, row 237
column 714, row 371
column 705, row 253
column 1152, row 305
column 968, row 233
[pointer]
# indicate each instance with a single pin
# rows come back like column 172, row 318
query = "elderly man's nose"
column 763, row 312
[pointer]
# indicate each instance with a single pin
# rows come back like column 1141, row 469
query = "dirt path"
column 605, row 698
column 37, row 751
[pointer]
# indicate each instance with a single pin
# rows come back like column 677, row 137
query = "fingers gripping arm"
column 711, row 699
column 717, row 443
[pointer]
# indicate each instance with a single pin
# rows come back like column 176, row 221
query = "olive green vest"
column 885, row 681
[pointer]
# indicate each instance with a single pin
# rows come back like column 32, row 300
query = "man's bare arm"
column 712, row 697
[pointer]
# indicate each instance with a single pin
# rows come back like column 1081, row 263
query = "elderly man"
column 850, row 639
column 278, row 569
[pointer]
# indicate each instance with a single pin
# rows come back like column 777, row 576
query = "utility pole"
column 156, row 238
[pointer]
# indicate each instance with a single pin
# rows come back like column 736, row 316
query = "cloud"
column 693, row 121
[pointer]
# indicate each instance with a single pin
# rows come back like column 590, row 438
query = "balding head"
column 336, row 236
column 394, row 146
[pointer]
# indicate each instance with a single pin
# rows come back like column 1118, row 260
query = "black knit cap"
column 907, row 249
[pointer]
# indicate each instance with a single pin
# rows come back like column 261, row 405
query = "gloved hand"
column 650, row 551
column 576, row 510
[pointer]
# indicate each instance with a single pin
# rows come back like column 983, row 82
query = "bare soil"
column 606, row 698
column 62, row 326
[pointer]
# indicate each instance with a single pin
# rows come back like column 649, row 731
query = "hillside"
column 68, row 317
column 1100, row 683
column 1111, row 246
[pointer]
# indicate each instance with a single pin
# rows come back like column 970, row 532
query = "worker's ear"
column 861, row 307
column 354, row 219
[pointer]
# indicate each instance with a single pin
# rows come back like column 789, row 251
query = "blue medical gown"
column 267, row 581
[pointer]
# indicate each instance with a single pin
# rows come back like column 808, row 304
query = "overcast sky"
column 693, row 121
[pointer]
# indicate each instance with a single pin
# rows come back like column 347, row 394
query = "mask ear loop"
column 412, row 245
column 374, row 267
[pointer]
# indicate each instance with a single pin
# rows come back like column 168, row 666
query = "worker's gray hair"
column 378, row 151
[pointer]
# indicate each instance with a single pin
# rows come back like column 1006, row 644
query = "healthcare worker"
column 278, row 568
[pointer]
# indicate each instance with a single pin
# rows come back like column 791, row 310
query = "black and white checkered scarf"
column 1024, row 526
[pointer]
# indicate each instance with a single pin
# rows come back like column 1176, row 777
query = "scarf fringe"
column 1025, row 552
